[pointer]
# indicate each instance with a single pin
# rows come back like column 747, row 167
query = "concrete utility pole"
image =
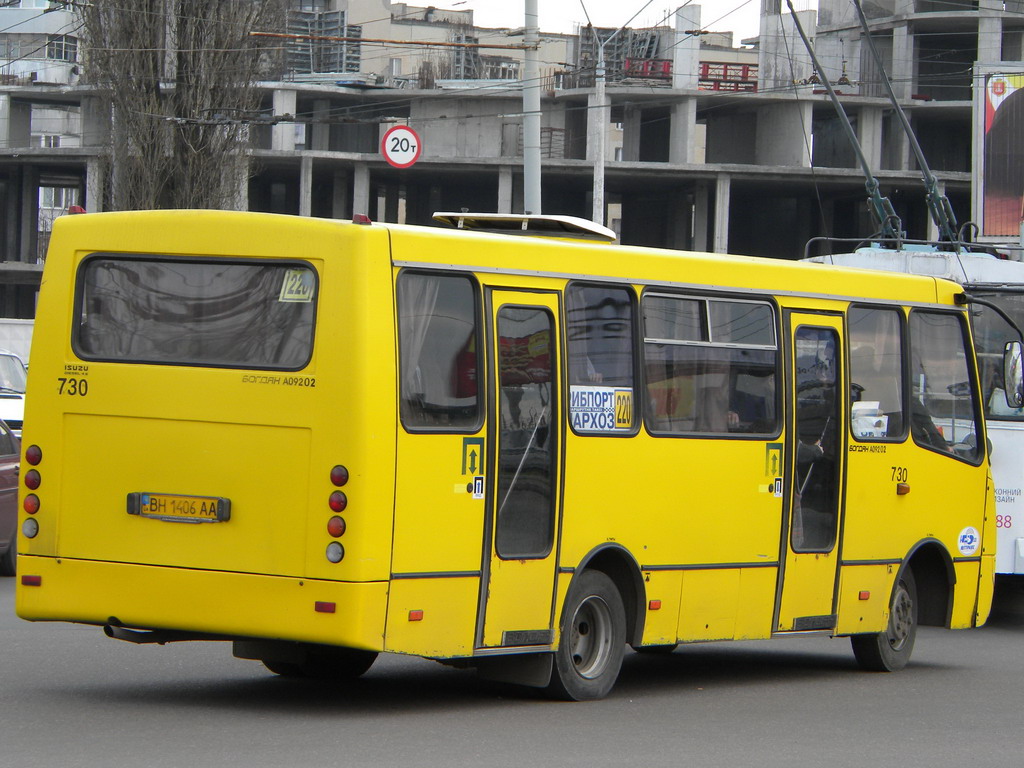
column 600, row 114
column 531, row 114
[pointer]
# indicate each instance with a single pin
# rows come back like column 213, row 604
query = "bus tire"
column 593, row 639
column 335, row 664
column 890, row 650
column 656, row 650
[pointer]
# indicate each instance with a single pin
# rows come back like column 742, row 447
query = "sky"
column 737, row 16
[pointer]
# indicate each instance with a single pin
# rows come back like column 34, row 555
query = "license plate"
column 177, row 508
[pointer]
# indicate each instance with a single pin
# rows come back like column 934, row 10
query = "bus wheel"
column 333, row 664
column 7, row 560
column 593, row 639
column 890, row 650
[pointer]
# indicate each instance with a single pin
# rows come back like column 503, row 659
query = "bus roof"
column 247, row 234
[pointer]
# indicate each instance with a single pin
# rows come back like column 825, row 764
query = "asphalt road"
column 71, row 697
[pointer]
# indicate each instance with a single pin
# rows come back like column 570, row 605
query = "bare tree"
column 182, row 82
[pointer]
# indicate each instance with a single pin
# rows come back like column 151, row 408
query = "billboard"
column 1001, row 188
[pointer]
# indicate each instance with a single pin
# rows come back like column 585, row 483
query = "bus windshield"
column 991, row 333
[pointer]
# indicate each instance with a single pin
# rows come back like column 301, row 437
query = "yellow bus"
column 323, row 440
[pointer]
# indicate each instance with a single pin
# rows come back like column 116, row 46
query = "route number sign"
column 401, row 146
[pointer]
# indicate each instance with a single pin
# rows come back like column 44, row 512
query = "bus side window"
column 599, row 331
column 438, row 351
column 876, row 373
column 943, row 410
column 710, row 365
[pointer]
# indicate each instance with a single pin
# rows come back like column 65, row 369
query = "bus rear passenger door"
column 816, row 451
column 521, row 530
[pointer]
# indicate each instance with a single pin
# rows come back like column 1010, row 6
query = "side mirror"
column 1013, row 374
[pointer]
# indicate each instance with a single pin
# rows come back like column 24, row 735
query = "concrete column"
column 341, row 198
column 990, row 38
column 784, row 135
column 682, row 131
column 29, row 221
column 361, row 189
column 701, row 213
column 904, row 66
column 505, row 189
column 897, row 153
column 723, row 186
column 869, row 134
column 781, row 56
column 9, row 229
column 631, row 134
column 15, row 122
column 306, row 186
column 321, row 129
column 94, row 182
column 282, row 135
column 686, row 50
column 95, row 112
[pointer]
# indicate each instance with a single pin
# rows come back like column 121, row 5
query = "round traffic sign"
column 401, row 146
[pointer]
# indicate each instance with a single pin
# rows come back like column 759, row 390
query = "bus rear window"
column 139, row 309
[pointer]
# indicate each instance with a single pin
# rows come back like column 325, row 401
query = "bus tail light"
column 336, row 526
column 31, row 504
column 32, row 479
column 31, row 581
column 338, row 501
column 30, row 528
column 33, row 455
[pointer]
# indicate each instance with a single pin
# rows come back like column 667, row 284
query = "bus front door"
column 520, row 534
column 816, row 450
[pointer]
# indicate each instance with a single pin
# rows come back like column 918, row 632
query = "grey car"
column 10, row 450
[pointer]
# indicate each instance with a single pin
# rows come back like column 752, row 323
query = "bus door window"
column 526, row 468
column 876, row 373
column 816, row 495
column 438, row 349
column 943, row 412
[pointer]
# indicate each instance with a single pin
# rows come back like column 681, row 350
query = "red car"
column 10, row 450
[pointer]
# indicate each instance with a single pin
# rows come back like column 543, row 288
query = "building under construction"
column 710, row 145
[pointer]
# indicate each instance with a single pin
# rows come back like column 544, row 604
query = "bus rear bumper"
column 219, row 603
